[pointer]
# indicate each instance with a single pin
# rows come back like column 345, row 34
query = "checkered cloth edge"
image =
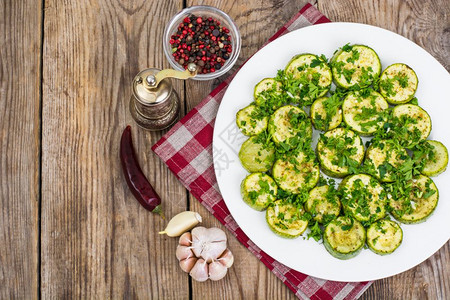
column 188, row 152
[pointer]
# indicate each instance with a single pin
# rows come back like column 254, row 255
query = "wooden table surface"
column 69, row 226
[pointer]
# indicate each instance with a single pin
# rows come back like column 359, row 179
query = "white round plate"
column 420, row 241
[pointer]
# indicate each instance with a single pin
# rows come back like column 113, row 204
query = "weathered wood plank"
column 248, row 278
column 20, row 49
column 426, row 23
column 97, row 241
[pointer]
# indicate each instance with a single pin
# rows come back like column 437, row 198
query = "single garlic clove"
column 181, row 223
column 198, row 239
column 185, row 239
column 183, row 252
column 226, row 258
column 217, row 271
column 187, row 264
column 200, row 271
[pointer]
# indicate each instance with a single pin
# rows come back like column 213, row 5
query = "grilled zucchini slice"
column 265, row 89
column 289, row 122
column 355, row 65
column 256, row 155
column 433, row 163
column 363, row 111
column 412, row 124
column 250, row 121
column 382, row 159
column 323, row 203
column 363, row 197
column 415, row 201
column 340, row 151
column 325, row 115
column 286, row 220
column 344, row 237
column 384, row 236
column 398, row 83
column 295, row 173
column 258, row 190
column 309, row 68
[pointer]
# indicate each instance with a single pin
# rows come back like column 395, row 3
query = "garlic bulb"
column 203, row 253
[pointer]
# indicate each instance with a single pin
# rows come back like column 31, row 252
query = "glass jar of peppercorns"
column 203, row 35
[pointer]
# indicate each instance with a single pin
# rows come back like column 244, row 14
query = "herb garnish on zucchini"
column 398, row 83
column 363, row 197
column 312, row 74
column 384, row 236
column 326, row 113
column 344, row 237
column 410, row 124
column 364, row 111
column 258, row 190
column 431, row 156
column 323, row 203
column 355, row 66
column 288, row 124
column 286, row 220
column 266, row 89
column 340, row 152
column 383, row 158
column 296, row 171
column 413, row 201
column 251, row 121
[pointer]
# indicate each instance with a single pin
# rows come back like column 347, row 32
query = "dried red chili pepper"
column 136, row 180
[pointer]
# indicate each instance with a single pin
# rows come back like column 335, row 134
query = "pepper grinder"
column 155, row 104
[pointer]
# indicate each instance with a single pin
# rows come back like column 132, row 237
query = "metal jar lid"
column 144, row 90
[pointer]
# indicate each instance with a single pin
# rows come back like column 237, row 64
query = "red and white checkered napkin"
column 187, row 150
